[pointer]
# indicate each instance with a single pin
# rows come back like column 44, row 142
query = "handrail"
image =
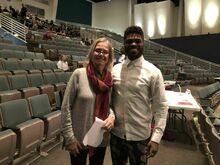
column 13, row 27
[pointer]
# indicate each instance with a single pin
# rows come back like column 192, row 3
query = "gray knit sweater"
column 78, row 108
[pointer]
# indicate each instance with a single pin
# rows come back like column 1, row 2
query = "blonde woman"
column 87, row 96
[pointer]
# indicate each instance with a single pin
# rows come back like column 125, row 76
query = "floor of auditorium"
column 174, row 151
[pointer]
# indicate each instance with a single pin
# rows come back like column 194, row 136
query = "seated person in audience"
column 82, row 42
column 30, row 36
column 91, row 42
column 62, row 63
column 29, row 21
column 23, row 13
column 35, row 26
column 159, row 50
column 0, row 9
column 87, row 43
column 121, row 56
column 181, row 73
column 51, row 23
column 5, row 10
column 13, row 12
column 48, row 35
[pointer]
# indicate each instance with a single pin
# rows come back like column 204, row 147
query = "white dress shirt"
column 138, row 95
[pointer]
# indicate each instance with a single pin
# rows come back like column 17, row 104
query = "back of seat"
column 16, row 116
column 6, row 94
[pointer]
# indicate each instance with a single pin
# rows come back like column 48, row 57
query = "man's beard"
column 133, row 54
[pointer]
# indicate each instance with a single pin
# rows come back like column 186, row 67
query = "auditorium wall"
column 113, row 15
column 78, row 11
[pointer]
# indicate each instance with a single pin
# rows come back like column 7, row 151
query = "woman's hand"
column 109, row 122
column 74, row 147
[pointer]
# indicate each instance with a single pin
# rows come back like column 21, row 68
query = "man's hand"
column 152, row 149
column 74, row 147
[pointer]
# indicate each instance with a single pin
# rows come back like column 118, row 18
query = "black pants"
column 122, row 149
column 96, row 159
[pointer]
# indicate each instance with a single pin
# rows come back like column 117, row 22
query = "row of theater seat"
column 11, row 46
column 210, row 134
column 23, row 86
column 25, row 66
column 26, row 125
column 6, row 53
column 209, row 95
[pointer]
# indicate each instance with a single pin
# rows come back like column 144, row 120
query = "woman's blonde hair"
column 110, row 49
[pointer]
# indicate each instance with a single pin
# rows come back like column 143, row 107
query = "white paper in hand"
column 95, row 134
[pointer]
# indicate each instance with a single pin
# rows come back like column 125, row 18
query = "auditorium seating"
column 12, row 47
column 202, row 120
column 210, row 95
column 6, row 94
column 61, row 77
column 40, row 65
column 16, row 116
column 8, row 146
column 26, row 64
column 40, row 108
column 2, row 40
column 213, row 141
column 10, row 64
column 36, row 80
column 209, row 125
column 13, row 66
column 39, row 56
column 1, row 67
column 50, row 78
column 20, row 82
column 215, row 145
column 68, row 74
column 71, row 47
column 168, row 63
column 58, row 99
column 215, row 120
column 5, row 53
column 20, row 54
column 52, row 65
column 30, row 55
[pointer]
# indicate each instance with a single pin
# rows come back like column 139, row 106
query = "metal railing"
column 13, row 27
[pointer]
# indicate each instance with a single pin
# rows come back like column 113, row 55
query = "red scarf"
column 101, row 87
